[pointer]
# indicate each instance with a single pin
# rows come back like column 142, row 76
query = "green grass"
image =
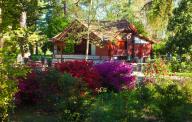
column 184, row 74
column 32, row 114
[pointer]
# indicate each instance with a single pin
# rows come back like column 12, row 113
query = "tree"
column 15, row 15
column 10, row 71
column 88, row 30
column 90, row 11
column 1, row 16
column 55, row 20
column 1, row 28
column 158, row 13
column 85, row 11
column 180, row 29
column 16, row 39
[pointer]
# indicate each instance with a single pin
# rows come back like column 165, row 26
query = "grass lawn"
column 32, row 114
column 185, row 74
column 182, row 74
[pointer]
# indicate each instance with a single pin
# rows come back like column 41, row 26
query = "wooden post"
column 151, row 53
column 53, row 49
column 133, row 48
column 109, row 50
column 61, row 53
column 128, row 37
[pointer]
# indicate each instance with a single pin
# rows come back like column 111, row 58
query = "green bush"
column 160, row 101
column 74, row 100
column 8, row 87
column 69, row 48
column 184, row 64
column 169, row 101
column 164, row 101
column 70, row 99
column 35, row 57
column 125, row 106
column 65, row 95
column 159, row 48
column 6, row 99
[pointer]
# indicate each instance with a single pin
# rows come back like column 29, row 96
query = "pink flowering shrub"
column 39, row 85
column 83, row 70
column 28, row 90
column 116, row 75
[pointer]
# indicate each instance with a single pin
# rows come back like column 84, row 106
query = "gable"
column 100, row 32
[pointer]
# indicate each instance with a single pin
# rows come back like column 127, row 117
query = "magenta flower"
column 116, row 74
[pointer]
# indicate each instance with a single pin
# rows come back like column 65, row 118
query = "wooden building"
column 108, row 39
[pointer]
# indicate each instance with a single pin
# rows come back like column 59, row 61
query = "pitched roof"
column 100, row 31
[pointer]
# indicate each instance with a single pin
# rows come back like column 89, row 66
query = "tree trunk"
column 1, row 19
column 88, row 32
column 1, row 27
column 65, row 7
column 22, row 50
column 87, row 45
column 129, row 3
column 36, row 49
column 31, row 49
column 23, row 20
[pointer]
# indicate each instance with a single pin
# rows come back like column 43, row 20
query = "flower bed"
column 116, row 75
column 69, row 91
column 83, row 70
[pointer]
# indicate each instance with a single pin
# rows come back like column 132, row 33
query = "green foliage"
column 35, row 57
column 11, row 11
column 175, row 64
column 65, row 95
column 47, row 46
column 9, row 72
column 159, row 48
column 172, row 99
column 69, row 98
column 182, row 64
column 32, row 113
column 56, row 24
column 164, row 101
column 54, row 21
column 183, row 74
column 72, row 104
column 180, row 31
column 138, row 25
column 69, row 48
column 121, row 107
column 156, row 69
column 159, row 12
column 22, row 39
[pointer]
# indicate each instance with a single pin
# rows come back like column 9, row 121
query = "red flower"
column 81, row 69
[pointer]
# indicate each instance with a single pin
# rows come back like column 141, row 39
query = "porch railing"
column 58, row 58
